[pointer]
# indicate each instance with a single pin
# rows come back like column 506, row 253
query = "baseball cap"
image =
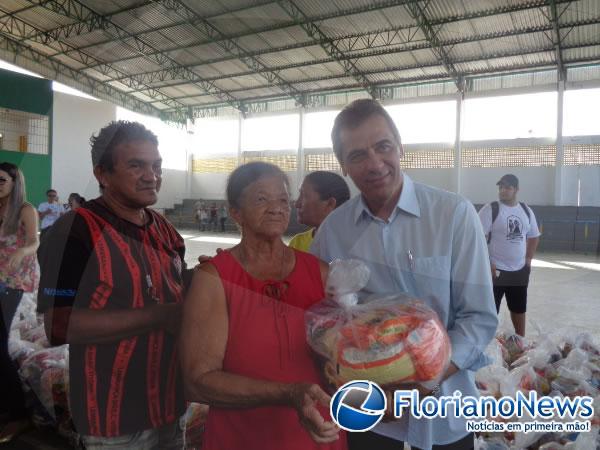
column 509, row 180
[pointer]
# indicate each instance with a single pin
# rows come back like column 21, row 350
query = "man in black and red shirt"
column 112, row 287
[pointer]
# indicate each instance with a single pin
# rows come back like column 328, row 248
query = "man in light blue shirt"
column 418, row 240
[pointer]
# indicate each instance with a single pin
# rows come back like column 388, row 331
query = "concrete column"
column 458, row 143
column 239, row 143
column 189, row 156
column 300, row 169
column 560, row 152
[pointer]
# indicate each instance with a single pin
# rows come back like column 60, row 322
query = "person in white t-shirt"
column 49, row 211
column 513, row 236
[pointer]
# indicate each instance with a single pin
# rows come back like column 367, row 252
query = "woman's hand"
column 15, row 260
column 305, row 398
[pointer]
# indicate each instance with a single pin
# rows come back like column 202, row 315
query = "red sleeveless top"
column 267, row 341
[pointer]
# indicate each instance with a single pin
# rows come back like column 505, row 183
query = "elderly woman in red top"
column 243, row 345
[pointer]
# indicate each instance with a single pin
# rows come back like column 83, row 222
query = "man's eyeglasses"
column 3, row 180
column 51, row 195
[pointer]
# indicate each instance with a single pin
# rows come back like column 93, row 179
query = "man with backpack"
column 512, row 235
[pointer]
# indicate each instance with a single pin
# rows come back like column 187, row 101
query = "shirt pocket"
column 431, row 275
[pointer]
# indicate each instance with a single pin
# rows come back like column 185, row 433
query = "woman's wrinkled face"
column 6, row 184
column 265, row 207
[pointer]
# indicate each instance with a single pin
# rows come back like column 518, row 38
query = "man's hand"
column 305, row 398
column 205, row 258
column 493, row 267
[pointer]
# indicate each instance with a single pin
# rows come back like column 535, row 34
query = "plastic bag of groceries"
column 45, row 375
column 390, row 340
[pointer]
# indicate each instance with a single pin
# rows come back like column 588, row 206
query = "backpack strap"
column 495, row 210
column 526, row 209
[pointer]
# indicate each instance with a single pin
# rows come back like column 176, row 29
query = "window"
column 271, row 133
column 212, row 137
column 510, row 117
column 580, row 115
column 172, row 141
column 23, row 132
column 317, row 129
column 425, row 122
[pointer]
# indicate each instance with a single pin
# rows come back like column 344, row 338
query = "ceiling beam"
column 232, row 47
column 349, row 43
column 349, row 12
column 554, row 20
column 56, row 70
column 486, row 57
column 75, row 9
column 383, row 50
column 17, row 28
column 437, row 47
column 374, row 6
column 327, row 44
column 399, row 83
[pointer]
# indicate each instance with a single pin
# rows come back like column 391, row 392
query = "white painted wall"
column 536, row 184
column 440, row 178
column 75, row 119
column 582, row 185
column 173, row 189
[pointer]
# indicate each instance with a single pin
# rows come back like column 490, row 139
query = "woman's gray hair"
column 10, row 224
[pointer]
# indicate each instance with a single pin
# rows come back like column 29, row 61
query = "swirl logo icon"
column 358, row 405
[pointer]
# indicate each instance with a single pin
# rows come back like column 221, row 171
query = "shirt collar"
column 407, row 202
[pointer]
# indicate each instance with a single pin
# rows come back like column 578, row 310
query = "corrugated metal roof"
column 379, row 38
column 50, row 19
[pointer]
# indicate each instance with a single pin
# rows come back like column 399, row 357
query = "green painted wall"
column 25, row 93
column 34, row 95
column 36, row 169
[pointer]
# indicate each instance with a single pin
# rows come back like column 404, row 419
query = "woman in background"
column 75, row 201
column 321, row 192
column 19, row 273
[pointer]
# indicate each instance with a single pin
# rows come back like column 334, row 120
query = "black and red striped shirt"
column 93, row 259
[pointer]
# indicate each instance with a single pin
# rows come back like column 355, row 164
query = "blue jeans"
column 168, row 437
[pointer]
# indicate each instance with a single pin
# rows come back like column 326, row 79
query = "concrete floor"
column 564, row 290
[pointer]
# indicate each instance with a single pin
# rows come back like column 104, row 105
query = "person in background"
column 202, row 217
column 75, row 201
column 112, row 286
column 513, row 236
column 223, row 214
column 19, row 273
column 213, row 215
column 321, row 192
column 49, row 211
column 243, row 345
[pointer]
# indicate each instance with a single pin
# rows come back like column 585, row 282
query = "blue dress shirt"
column 433, row 248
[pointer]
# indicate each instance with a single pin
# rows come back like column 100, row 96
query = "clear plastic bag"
column 390, row 340
column 489, row 378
